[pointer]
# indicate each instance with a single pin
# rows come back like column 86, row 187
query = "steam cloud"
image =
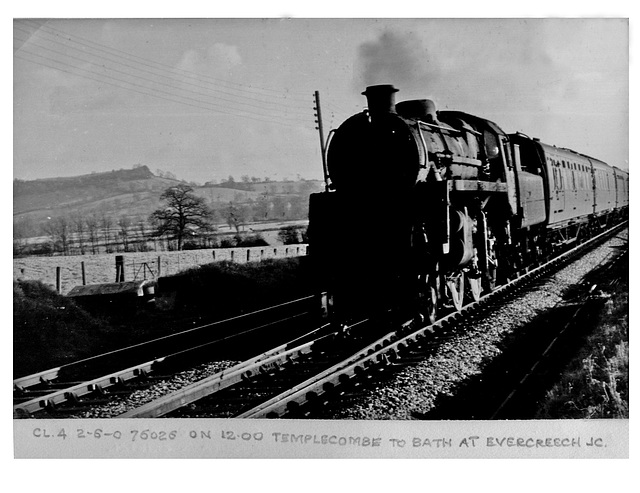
column 399, row 59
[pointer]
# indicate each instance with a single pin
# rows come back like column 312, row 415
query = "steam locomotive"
column 448, row 205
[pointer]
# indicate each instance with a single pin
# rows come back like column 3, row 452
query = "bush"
column 251, row 240
column 49, row 329
column 226, row 287
column 291, row 235
column 191, row 245
column 41, row 249
column 227, row 243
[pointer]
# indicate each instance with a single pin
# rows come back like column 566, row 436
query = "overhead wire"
column 167, row 68
column 154, row 91
column 172, row 99
column 294, row 109
column 287, row 108
column 113, row 70
column 290, row 117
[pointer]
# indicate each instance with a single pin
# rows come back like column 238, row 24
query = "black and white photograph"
column 321, row 237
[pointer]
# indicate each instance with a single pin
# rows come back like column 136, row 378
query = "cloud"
column 227, row 54
column 218, row 59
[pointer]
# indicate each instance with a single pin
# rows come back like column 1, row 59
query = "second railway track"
column 62, row 391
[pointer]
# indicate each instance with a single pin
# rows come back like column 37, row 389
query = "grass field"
column 595, row 385
column 101, row 268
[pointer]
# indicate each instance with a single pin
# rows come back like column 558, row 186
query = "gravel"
column 121, row 405
column 416, row 387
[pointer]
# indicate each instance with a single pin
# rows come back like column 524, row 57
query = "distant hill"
column 113, row 192
column 135, row 193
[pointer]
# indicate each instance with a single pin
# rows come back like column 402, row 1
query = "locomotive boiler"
column 425, row 208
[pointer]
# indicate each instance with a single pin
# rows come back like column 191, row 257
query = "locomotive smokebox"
column 420, row 109
column 381, row 99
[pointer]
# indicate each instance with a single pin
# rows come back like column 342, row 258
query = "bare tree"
column 23, row 229
column 233, row 216
column 93, row 228
column 106, row 223
column 59, row 230
column 124, row 223
column 278, row 208
column 142, row 235
column 261, row 207
column 184, row 214
column 79, row 228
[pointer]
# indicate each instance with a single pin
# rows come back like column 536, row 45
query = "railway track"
column 290, row 381
column 92, row 381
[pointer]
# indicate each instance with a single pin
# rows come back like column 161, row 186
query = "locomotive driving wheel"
column 428, row 297
column 455, row 287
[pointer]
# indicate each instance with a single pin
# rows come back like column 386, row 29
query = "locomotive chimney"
column 381, row 99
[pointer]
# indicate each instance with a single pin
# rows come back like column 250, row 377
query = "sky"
column 208, row 98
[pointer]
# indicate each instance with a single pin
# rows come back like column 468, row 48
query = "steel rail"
column 75, row 390
column 319, row 379
column 37, row 378
column 46, row 376
column 58, row 397
column 220, row 380
column 85, row 388
column 55, row 398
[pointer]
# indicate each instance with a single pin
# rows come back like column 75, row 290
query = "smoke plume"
column 398, row 59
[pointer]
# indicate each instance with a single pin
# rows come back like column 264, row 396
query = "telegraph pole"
column 318, row 116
